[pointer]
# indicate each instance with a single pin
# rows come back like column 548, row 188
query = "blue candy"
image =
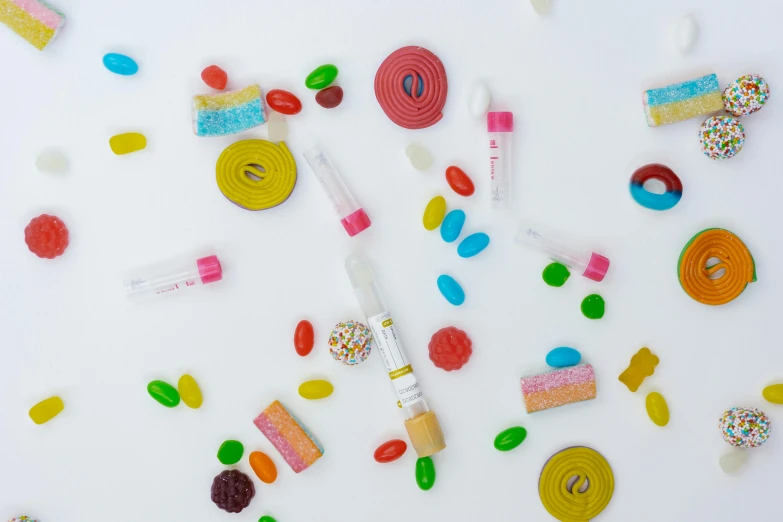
column 562, row 357
column 120, row 64
column 452, row 224
column 451, row 290
column 473, row 244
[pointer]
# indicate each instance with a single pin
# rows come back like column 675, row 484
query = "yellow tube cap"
column 425, row 434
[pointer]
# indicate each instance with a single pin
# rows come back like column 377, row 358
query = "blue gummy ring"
column 650, row 200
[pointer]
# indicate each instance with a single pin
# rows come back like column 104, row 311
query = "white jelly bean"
column 478, row 103
column 419, row 156
column 687, row 34
column 277, row 128
column 542, row 7
column 731, row 462
column 51, row 161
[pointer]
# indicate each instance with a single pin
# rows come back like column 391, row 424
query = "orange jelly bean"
column 263, row 466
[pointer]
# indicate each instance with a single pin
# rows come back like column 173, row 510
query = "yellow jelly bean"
column 657, row 409
column 128, row 142
column 434, row 213
column 46, row 410
column 774, row 393
column 318, row 389
column 189, row 391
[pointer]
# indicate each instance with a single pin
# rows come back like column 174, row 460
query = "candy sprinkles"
column 746, row 95
column 721, row 137
column 350, row 342
column 745, row 427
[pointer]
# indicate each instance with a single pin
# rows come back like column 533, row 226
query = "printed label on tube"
column 406, row 387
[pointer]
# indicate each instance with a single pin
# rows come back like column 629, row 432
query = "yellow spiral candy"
column 277, row 173
column 569, row 505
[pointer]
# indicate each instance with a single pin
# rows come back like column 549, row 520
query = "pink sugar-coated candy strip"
column 557, row 378
column 41, row 12
column 280, row 443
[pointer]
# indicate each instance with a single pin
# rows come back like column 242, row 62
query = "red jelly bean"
column 330, row 97
column 215, row 77
column 450, row 348
column 283, row 102
column 46, row 236
column 459, row 181
column 304, row 338
column 390, row 451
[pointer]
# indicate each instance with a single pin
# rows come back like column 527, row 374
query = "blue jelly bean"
column 452, row 224
column 120, row 64
column 451, row 290
column 562, row 357
column 473, row 244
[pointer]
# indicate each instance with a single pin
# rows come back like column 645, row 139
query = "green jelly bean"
column 510, row 438
column 266, row 518
column 593, row 306
column 164, row 393
column 321, row 77
column 556, row 274
column 230, row 452
column 425, row 473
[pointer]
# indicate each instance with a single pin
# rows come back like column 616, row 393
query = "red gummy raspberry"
column 46, row 236
column 450, row 348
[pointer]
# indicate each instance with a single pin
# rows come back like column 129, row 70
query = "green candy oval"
column 425, row 473
column 321, row 77
column 164, row 393
column 266, row 518
column 510, row 438
column 230, row 452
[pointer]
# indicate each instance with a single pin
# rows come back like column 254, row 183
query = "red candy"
column 304, row 338
column 450, row 348
column 46, row 236
column 459, row 181
column 283, row 102
column 215, row 77
column 330, row 97
column 390, row 451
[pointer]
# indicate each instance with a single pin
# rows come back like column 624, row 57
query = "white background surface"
column 573, row 80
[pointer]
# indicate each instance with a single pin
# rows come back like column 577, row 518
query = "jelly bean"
column 434, row 213
column 657, row 409
column 266, row 518
column 562, row 357
column 425, row 473
column 127, row 143
column 510, row 438
column 478, row 103
column 541, row 7
column 46, row 410
column 593, row 306
column 321, row 77
column 330, row 97
column 390, row 451
column 263, row 466
column 774, row 393
column 283, row 102
column 304, row 337
column 421, row 159
column 459, row 181
column 556, row 274
column 687, row 34
column 732, row 462
column 317, row 389
column 451, row 290
column 215, row 77
column 52, row 161
column 230, row 452
column 277, row 127
column 452, row 225
column 120, row 64
column 473, row 245
column 164, row 393
column 190, row 392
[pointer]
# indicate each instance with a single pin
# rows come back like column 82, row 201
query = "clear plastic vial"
column 422, row 424
column 500, row 125
column 171, row 277
column 353, row 217
column 590, row 264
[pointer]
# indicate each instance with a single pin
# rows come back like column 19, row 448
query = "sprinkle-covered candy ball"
column 23, row 519
column 350, row 342
column 745, row 427
column 450, row 348
column 721, row 137
column 746, row 95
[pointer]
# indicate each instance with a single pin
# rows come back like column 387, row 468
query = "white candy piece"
column 542, row 7
column 687, row 34
column 478, row 103
column 52, row 161
column 421, row 159
column 277, row 128
column 731, row 462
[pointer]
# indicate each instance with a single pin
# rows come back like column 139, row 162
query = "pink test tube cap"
column 597, row 267
column 356, row 222
column 209, row 269
column 500, row 122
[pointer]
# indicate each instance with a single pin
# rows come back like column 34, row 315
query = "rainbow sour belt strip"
column 295, row 443
column 558, row 387
column 683, row 101
column 34, row 20
column 228, row 112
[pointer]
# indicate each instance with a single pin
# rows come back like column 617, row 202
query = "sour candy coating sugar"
column 34, row 20
column 228, row 112
column 558, row 387
column 296, row 444
column 682, row 101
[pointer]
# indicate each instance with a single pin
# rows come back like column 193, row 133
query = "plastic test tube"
column 590, row 264
column 422, row 424
column 172, row 277
column 352, row 216
column 500, row 125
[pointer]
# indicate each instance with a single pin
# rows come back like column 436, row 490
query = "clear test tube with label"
column 421, row 423
column 554, row 244
column 500, row 126
column 353, row 217
column 172, row 277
